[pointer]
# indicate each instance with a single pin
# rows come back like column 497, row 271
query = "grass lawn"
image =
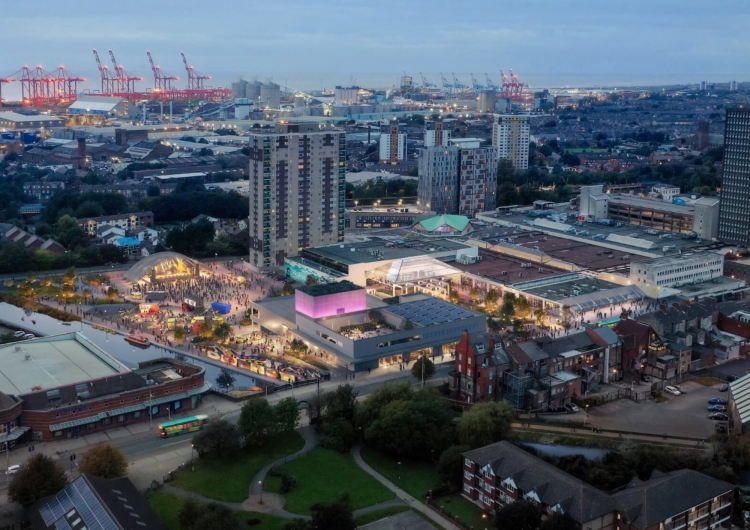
column 167, row 507
column 377, row 515
column 468, row 513
column 229, row 479
column 323, row 476
column 587, row 150
column 705, row 381
column 414, row 477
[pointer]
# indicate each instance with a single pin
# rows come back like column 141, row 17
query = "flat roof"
column 376, row 250
column 561, row 288
column 21, row 118
column 51, row 362
column 507, row 269
column 654, row 204
column 430, row 311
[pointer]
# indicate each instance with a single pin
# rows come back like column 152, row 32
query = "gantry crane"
column 425, row 84
column 125, row 81
column 457, row 84
column 162, row 80
column 490, row 84
column 195, row 78
column 109, row 83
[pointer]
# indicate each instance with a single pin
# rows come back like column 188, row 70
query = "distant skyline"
column 327, row 42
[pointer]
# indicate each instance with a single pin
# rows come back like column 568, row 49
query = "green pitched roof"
column 457, row 222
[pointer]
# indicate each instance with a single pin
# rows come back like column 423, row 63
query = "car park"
column 723, row 388
column 572, row 407
column 717, row 408
column 719, row 416
column 672, row 390
column 717, row 401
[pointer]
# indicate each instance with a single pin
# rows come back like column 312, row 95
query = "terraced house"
column 499, row 474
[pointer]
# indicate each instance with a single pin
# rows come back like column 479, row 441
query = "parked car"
column 723, row 388
column 717, row 408
column 29, row 336
column 19, row 334
column 717, row 401
column 719, row 416
column 672, row 390
column 681, row 389
column 645, row 379
column 572, row 407
column 12, row 470
column 731, row 378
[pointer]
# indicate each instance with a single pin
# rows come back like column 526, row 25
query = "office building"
column 675, row 271
column 734, row 215
column 499, row 474
column 393, row 142
column 460, row 179
column 511, row 135
column 703, row 132
column 297, row 187
column 436, row 134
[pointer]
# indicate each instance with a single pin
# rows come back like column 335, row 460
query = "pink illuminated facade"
column 327, row 305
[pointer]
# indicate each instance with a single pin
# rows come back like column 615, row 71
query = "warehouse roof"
column 98, row 104
column 740, row 392
column 22, row 118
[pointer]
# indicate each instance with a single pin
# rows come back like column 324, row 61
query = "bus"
column 175, row 427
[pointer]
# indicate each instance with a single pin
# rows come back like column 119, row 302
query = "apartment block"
column 393, row 142
column 734, row 214
column 511, row 135
column 499, row 474
column 436, row 134
column 126, row 221
column 297, row 190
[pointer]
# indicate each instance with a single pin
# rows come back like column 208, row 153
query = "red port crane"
column 125, row 81
column 40, row 88
column 108, row 78
column 162, row 80
column 4, row 81
column 195, row 78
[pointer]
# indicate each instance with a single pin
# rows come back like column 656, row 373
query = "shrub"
column 288, row 482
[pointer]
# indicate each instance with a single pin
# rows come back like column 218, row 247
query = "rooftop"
column 21, row 118
column 430, row 311
column 457, row 222
column 329, row 288
column 53, row 361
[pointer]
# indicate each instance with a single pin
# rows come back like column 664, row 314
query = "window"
column 467, row 488
column 57, row 434
column 91, row 426
column 467, row 462
column 137, row 414
column 106, row 422
column 121, row 418
column 468, row 475
column 53, row 396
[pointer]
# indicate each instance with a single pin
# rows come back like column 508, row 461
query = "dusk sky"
column 309, row 42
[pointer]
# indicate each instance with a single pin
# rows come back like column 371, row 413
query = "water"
column 590, row 453
column 114, row 345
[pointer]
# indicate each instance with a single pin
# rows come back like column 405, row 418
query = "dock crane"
column 490, row 84
column 457, row 85
column 125, row 80
column 109, row 79
column 475, row 84
column 446, row 84
column 195, row 78
column 162, row 80
column 425, row 84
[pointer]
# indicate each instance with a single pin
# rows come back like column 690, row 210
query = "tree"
column 257, row 421
column 286, row 413
column 474, row 294
column 375, row 317
column 491, row 299
column 369, row 409
column 519, row 515
column 217, row 517
column 112, row 294
column 69, row 278
column 287, row 290
column 179, row 334
column 39, row 478
column 484, row 424
column 450, row 466
column 222, row 331
column 337, row 419
column 508, row 310
column 522, row 308
column 218, row 438
column 104, row 461
column 567, row 312
column 225, row 379
column 429, row 368
column 190, row 512
column 560, row 521
column 333, row 515
column 311, row 280
column 408, row 324
column 540, row 317
column 153, row 191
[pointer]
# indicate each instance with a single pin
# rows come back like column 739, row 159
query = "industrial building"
column 297, row 187
column 393, row 142
column 734, row 218
column 270, row 96
column 346, row 95
column 487, row 101
column 700, row 218
column 63, row 386
column 107, row 106
column 511, row 135
column 675, row 271
column 14, row 120
column 336, row 320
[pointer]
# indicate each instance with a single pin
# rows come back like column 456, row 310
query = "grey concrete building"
column 734, row 215
column 297, row 188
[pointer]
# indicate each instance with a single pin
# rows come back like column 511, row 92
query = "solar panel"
column 79, row 496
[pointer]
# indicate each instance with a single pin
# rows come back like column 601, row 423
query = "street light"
column 260, row 483
column 399, row 472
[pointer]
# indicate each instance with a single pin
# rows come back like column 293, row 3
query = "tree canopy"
column 104, row 461
column 40, row 477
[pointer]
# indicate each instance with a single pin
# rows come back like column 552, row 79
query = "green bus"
column 175, row 427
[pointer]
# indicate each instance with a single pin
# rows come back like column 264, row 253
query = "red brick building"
column 478, row 374
column 63, row 386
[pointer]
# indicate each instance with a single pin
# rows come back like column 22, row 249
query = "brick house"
column 478, row 374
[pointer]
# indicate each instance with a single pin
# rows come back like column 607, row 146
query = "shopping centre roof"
column 413, row 269
column 430, row 311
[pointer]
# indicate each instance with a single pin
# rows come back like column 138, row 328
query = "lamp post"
column 586, row 415
column 260, row 484
column 399, row 472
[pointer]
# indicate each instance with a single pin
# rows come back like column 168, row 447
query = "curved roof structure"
column 455, row 222
column 163, row 260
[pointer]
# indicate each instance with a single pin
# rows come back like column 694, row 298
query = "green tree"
column 450, row 466
column 491, row 300
column 104, row 461
column 218, row 517
column 370, row 407
column 474, row 294
column 375, row 317
column 522, row 308
column 190, row 512
column 153, row 191
column 225, row 379
column 257, row 421
column 112, row 294
column 519, row 515
column 311, row 280
column 287, row 290
column 69, row 278
column 567, row 312
column 40, row 477
column 222, row 331
column 429, row 368
column 506, row 194
column 218, row 438
column 484, row 424
column 337, row 418
column 508, row 310
column 286, row 413
column 540, row 317
column 336, row 515
column 179, row 334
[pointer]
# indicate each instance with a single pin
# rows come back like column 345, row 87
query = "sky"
column 318, row 43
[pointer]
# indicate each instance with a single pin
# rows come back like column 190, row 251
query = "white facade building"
column 667, row 192
column 674, row 271
column 393, row 142
column 436, row 134
column 511, row 135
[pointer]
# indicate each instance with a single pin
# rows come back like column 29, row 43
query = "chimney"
column 82, row 153
column 492, row 343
